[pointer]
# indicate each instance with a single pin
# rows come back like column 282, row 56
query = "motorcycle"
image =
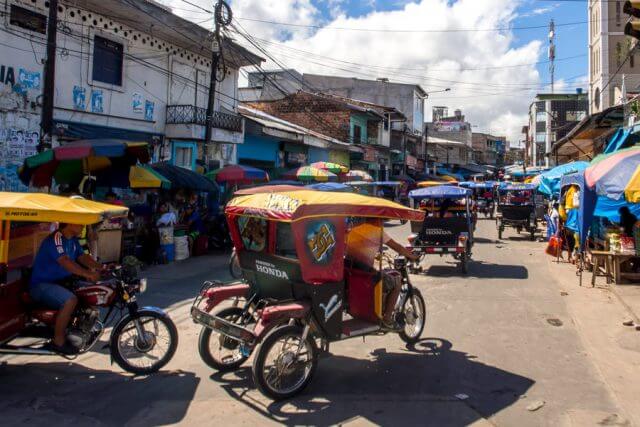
column 143, row 339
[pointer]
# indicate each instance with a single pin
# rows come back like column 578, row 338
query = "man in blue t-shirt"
column 60, row 256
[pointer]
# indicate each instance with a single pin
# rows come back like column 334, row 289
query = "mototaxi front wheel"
column 144, row 344
column 219, row 352
column 415, row 317
column 284, row 364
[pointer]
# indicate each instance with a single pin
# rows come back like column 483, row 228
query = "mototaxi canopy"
column 292, row 206
column 39, row 207
column 516, row 187
column 440, row 192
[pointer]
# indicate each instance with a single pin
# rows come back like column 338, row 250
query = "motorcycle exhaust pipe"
column 27, row 351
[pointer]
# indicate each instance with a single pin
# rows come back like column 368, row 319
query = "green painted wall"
column 359, row 120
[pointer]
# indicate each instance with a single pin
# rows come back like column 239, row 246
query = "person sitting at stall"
column 627, row 220
column 364, row 241
column 59, row 257
column 194, row 223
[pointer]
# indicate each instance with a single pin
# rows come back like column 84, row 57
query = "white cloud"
column 496, row 98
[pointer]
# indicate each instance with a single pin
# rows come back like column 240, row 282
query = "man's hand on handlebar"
column 92, row 276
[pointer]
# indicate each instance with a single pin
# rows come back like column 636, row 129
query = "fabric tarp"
column 587, row 203
column 620, row 139
column 298, row 205
column 440, row 192
column 39, row 207
column 330, row 186
column 549, row 181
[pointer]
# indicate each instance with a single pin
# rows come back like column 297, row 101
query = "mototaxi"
column 516, row 208
column 26, row 219
column 485, row 195
column 302, row 290
column 448, row 224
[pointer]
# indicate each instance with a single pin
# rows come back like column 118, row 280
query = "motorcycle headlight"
column 143, row 285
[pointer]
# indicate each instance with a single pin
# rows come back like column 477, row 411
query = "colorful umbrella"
column 331, row 167
column 70, row 162
column 611, row 174
column 309, row 173
column 238, row 174
column 356, row 175
column 139, row 176
column 185, row 178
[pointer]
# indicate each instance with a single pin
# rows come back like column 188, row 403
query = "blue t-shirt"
column 196, row 222
column 46, row 267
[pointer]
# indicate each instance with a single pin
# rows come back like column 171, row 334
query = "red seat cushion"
column 45, row 316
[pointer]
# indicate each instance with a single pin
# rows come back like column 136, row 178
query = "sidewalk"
column 599, row 314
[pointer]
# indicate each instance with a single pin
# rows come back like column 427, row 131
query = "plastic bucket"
column 170, row 251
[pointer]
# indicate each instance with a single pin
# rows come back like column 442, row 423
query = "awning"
column 146, row 177
column 73, row 130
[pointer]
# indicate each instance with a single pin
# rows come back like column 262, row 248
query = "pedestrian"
column 627, row 220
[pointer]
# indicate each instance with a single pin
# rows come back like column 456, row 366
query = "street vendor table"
column 612, row 263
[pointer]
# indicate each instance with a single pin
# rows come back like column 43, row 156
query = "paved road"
column 499, row 338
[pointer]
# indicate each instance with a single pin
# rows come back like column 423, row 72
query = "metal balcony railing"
column 190, row 114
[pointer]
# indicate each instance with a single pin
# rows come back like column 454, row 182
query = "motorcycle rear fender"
column 274, row 315
column 218, row 294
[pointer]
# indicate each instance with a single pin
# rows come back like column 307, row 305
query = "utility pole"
column 46, row 125
column 552, row 52
column 215, row 59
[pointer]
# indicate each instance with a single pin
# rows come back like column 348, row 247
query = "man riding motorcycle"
column 59, row 257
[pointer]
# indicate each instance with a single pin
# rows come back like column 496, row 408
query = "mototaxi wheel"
column 285, row 374
column 160, row 342
column 464, row 260
column 415, row 314
column 229, row 356
column 234, row 266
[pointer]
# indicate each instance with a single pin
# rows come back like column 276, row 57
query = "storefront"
column 294, row 155
column 318, row 155
column 340, row 157
column 260, row 152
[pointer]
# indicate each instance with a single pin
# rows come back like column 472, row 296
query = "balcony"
column 188, row 122
column 192, row 115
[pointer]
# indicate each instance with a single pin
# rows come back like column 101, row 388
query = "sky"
column 485, row 51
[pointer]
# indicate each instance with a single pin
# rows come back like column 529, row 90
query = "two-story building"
column 125, row 69
column 489, row 149
column 366, row 128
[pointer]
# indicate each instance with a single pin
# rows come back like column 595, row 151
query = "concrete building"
column 489, row 149
column 551, row 117
column 271, row 85
column 125, row 69
column 448, row 129
column 608, row 49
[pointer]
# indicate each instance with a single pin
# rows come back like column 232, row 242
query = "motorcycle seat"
column 45, row 316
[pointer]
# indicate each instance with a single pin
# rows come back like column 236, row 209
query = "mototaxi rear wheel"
column 279, row 370
column 222, row 353
column 415, row 317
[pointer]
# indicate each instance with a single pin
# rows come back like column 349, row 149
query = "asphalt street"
column 499, row 348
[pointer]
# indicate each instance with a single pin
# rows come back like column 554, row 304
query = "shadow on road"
column 415, row 386
column 483, row 240
column 481, row 270
column 69, row 393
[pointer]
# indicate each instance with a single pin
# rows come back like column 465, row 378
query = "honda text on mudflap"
column 143, row 339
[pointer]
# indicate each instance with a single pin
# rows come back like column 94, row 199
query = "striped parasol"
column 309, row 173
column 616, row 175
column 331, row 167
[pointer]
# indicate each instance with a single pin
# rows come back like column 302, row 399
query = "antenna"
column 552, row 52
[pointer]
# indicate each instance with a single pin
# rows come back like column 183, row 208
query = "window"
column 183, row 157
column 617, row 13
column 540, row 137
column 28, row 19
column 357, row 134
column 285, row 245
column 107, row 61
column 253, row 232
column 541, row 116
column 575, row 116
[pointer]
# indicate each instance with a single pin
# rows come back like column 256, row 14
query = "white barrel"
column 182, row 247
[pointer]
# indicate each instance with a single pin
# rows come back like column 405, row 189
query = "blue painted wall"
column 259, row 148
column 359, row 120
column 318, row 155
column 185, row 144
